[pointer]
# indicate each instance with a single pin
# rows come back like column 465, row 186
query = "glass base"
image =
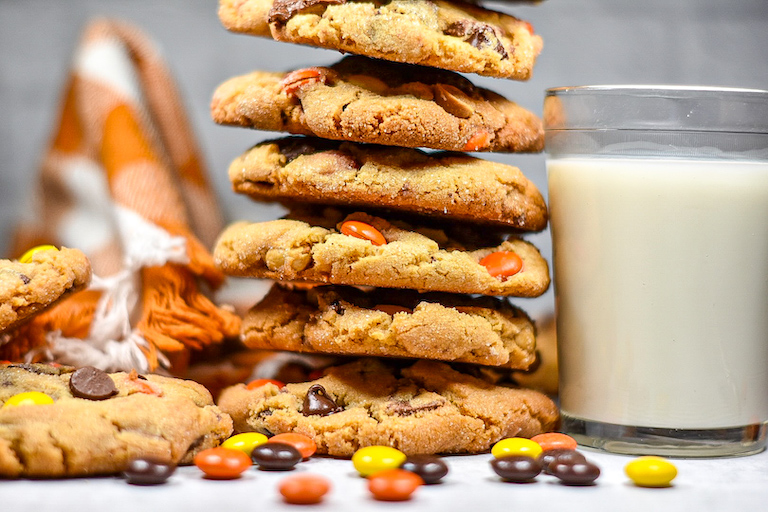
column 719, row 442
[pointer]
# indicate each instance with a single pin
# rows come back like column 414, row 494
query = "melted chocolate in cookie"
column 284, row 10
column 317, row 402
column 91, row 383
column 479, row 35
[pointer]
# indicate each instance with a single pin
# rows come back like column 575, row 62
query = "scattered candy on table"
column 651, row 471
column 245, row 442
column 144, row 471
column 430, row 468
column 575, row 473
column 305, row 445
column 549, row 457
column 554, row 441
column 516, row 446
column 372, row 459
column 394, row 484
column 273, row 456
column 304, row 489
column 516, row 468
column 222, row 463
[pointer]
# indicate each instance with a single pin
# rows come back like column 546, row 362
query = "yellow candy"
column 245, row 442
column 27, row 256
column 516, row 446
column 28, row 398
column 372, row 459
column 651, row 471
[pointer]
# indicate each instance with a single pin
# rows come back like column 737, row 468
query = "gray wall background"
column 686, row 42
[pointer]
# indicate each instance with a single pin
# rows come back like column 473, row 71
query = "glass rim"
column 651, row 88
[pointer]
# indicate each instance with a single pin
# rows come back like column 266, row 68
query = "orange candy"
column 394, row 484
column 555, row 441
column 304, row 489
column 295, row 80
column 261, row 382
column 362, row 230
column 478, row 141
column 305, row 445
column 502, row 264
column 222, row 463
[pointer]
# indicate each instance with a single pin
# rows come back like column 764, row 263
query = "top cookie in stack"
column 404, row 252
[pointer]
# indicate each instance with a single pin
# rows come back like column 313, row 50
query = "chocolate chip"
column 145, row 471
column 430, row 468
column 549, row 457
column 91, row 383
column 276, row 456
column 294, row 147
column 479, row 35
column 575, row 473
column 317, row 402
column 284, row 10
column 516, row 468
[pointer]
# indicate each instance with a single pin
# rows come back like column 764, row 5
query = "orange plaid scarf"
column 123, row 181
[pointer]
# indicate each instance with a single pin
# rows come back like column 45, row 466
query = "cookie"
column 40, row 281
column 294, row 250
column 364, row 100
column 452, row 185
column 140, row 416
column 421, row 408
column 395, row 323
column 450, row 35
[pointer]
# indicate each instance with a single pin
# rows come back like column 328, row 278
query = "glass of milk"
column 659, row 218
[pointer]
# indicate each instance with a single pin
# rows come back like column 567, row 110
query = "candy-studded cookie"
column 87, row 422
column 398, row 323
column 449, row 35
column 420, row 408
column 363, row 250
column 39, row 279
column 452, row 185
column 365, row 100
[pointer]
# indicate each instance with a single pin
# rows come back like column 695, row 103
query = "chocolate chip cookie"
column 97, row 422
column 396, row 323
column 365, row 100
column 420, row 408
column 450, row 35
column 452, row 185
column 43, row 278
column 387, row 256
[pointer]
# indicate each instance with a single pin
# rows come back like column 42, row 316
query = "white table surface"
column 731, row 484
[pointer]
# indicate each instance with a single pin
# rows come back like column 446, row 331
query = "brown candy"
column 516, row 468
column 317, row 402
column 575, row 473
column 148, row 471
column 91, row 383
column 549, row 457
column 430, row 468
column 274, row 456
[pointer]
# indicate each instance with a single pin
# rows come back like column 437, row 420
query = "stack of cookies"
column 398, row 247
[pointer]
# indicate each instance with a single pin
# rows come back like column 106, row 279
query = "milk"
column 661, row 282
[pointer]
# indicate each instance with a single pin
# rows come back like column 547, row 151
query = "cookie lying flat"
column 394, row 323
column 153, row 416
column 423, row 408
column 30, row 287
column 293, row 250
column 449, row 35
column 453, row 185
column 364, row 100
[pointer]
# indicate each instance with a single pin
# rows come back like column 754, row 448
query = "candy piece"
column 516, row 446
column 651, row 471
column 362, row 230
column 27, row 256
column 275, row 456
column 516, row 468
column 317, row 402
column 502, row 264
column 549, row 457
column 576, row 473
column 305, row 445
column 145, row 471
column 222, row 463
column 28, row 398
column 263, row 382
column 245, row 442
column 555, row 441
column 295, row 80
column 372, row 459
column 430, row 468
column 304, row 489
column 478, row 141
column 92, row 384
column 394, row 484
